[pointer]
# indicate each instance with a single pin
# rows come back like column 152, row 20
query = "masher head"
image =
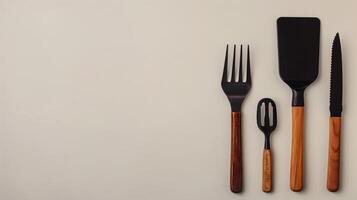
column 266, row 115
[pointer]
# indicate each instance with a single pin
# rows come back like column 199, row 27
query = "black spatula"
column 298, row 45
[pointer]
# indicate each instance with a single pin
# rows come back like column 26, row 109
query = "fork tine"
column 249, row 79
column 240, row 79
column 233, row 76
column 224, row 76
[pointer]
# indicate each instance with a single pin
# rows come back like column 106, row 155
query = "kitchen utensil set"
column 298, row 49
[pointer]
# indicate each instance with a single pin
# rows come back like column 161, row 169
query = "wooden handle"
column 267, row 183
column 296, row 162
column 333, row 171
column 236, row 153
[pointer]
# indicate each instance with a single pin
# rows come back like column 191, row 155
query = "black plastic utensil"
column 298, row 46
column 236, row 93
column 266, row 121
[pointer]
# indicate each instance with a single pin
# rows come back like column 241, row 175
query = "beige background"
column 121, row 99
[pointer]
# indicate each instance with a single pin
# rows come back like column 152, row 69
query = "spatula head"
column 298, row 46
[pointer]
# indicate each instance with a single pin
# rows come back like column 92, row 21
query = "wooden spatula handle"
column 236, row 153
column 296, row 163
column 267, row 183
column 333, row 171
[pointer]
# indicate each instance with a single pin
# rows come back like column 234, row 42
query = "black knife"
column 333, row 171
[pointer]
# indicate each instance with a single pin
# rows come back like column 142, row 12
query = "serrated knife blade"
column 336, row 79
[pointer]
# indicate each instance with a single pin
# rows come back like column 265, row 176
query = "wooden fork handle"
column 267, row 183
column 236, row 154
column 296, row 162
column 333, row 170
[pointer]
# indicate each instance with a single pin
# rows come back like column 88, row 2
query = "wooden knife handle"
column 236, row 154
column 333, row 171
column 267, row 183
column 296, row 162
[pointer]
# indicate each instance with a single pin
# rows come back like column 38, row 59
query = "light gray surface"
column 122, row 100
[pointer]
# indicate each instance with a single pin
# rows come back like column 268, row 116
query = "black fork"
column 266, row 121
column 236, row 92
